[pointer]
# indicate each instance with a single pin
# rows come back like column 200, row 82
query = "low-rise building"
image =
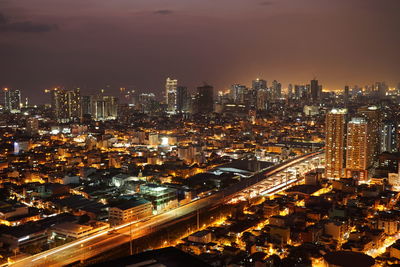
column 131, row 210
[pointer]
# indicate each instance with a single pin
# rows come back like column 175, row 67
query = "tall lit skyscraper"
column 66, row 105
column 388, row 137
column 205, row 98
column 334, row 151
column 346, row 95
column 12, row 100
column 357, row 149
column 372, row 115
column 170, row 94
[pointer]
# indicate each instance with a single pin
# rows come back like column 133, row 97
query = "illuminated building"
column 105, row 108
column 12, row 100
column 357, row 149
column 388, row 137
column 238, row 92
column 170, row 94
column 372, row 115
column 66, row 105
column 334, row 151
column 128, row 211
column 346, row 95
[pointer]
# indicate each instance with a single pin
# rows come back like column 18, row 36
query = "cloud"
column 24, row 26
column 163, row 12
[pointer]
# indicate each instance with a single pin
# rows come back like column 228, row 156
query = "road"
column 93, row 245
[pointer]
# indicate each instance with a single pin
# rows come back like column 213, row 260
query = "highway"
column 93, row 245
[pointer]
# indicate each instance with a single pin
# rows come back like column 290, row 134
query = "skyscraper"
column 346, row 95
column 170, row 94
column 315, row 90
column 372, row 115
column 32, row 126
column 334, row 142
column 388, row 137
column 182, row 99
column 205, row 99
column 238, row 92
column 276, row 90
column 357, row 149
column 66, row 105
column 12, row 100
column 258, row 84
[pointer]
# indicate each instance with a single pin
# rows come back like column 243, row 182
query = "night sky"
column 138, row 43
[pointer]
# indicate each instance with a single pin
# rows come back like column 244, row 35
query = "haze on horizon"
column 138, row 43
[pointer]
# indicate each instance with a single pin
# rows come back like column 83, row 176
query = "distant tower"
column 334, row 142
column 346, row 95
column 315, row 90
column 170, row 94
column 388, row 137
column 205, row 98
column 12, row 100
column 258, row 84
column 182, row 99
column 357, row 149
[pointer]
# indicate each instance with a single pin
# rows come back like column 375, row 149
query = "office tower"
column 66, row 105
column 334, row 142
column 315, row 90
column 380, row 89
column 346, row 95
column 12, row 100
column 290, row 91
column 32, row 126
column 276, row 90
column 104, row 108
column 86, row 105
column 262, row 99
column 170, row 94
column 74, row 103
column 238, row 92
column 300, row 91
column 388, row 137
column 372, row 115
column 59, row 105
column 357, row 149
column 181, row 99
column 205, row 99
column 259, row 84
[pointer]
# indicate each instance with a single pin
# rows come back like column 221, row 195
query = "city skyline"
column 138, row 45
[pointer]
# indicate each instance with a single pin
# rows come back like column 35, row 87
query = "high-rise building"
column 372, row 115
column 357, row 149
column 182, row 96
column 238, row 92
column 262, row 99
column 12, row 100
column 32, row 126
column 259, row 84
column 315, row 90
column 276, row 90
column 66, row 105
column 334, row 143
column 346, row 95
column 170, row 94
column 388, row 137
column 205, row 99
column 105, row 108
column 380, row 88
column 290, row 91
